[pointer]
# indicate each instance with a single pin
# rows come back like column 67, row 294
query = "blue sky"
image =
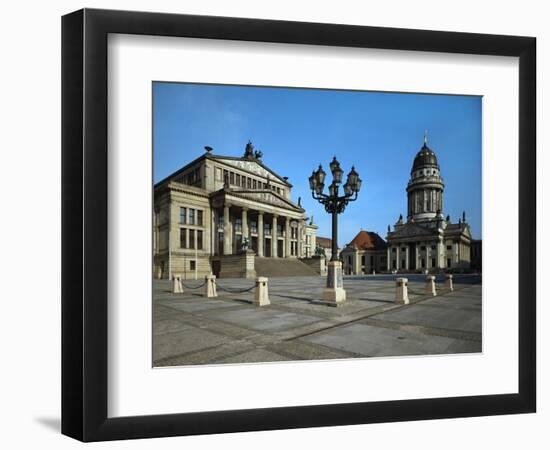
column 297, row 129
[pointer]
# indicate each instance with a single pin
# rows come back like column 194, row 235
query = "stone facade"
column 364, row 254
column 427, row 240
column 324, row 245
column 205, row 212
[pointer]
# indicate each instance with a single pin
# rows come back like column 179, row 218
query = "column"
column 299, row 240
column 388, row 262
column 438, row 258
column 274, row 237
column 407, row 257
column 428, row 255
column 260, row 233
column 455, row 252
column 397, row 260
column 227, row 238
column 287, row 237
column 244, row 220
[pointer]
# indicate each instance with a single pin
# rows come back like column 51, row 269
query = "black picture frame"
column 84, row 224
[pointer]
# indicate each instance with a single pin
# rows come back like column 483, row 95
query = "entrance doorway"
column 280, row 248
column 412, row 257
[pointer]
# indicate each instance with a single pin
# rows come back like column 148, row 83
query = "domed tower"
column 425, row 188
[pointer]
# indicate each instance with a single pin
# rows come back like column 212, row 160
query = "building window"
column 199, row 217
column 249, row 183
column 267, row 229
column 423, row 248
column 183, row 238
column 218, row 174
column 433, row 262
column 449, row 247
column 393, row 250
column 433, row 247
column 372, row 261
column 254, row 184
column 192, row 264
column 238, row 225
column 394, row 264
column 423, row 263
column 183, row 215
column 402, row 263
column 199, row 240
column 238, row 180
column 232, row 178
column 191, row 216
column 448, row 262
column 363, row 260
column 191, row 239
column 254, row 227
column 225, row 176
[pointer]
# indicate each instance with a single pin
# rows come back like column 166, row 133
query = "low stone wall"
column 317, row 263
column 238, row 266
column 181, row 266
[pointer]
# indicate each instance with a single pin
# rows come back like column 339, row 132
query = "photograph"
column 303, row 224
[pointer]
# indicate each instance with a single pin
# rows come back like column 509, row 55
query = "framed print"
column 273, row 224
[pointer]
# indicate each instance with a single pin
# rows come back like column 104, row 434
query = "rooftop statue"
column 249, row 150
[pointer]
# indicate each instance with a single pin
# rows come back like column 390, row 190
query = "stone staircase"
column 282, row 267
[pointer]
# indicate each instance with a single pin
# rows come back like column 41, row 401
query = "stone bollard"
column 449, row 282
column 177, row 287
column 210, row 286
column 401, row 291
column 430, row 285
column 374, row 272
column 261, row 294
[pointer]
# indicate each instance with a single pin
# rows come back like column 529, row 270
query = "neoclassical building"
column 364, row 254
column 219, row 212
column 427, row 240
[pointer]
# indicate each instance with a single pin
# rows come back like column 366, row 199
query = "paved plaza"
column 191, row 329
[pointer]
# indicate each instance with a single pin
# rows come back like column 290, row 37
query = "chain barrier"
column 192, row 287
column 235, row 291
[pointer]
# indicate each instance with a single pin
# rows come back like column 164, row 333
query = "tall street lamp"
column 334, row 204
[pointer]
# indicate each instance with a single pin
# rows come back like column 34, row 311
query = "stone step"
column 282, row 267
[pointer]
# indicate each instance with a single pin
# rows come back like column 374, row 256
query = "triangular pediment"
column 252, row 166
column 268, row 197
column 412, row 229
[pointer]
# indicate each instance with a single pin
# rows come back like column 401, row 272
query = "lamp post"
column 334, row 204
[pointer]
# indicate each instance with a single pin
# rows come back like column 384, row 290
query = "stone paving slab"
column 419, row 314
column 201, row 304
column 190, row 329
column 263, row 319
column 186, row 340
column 256, row 355
column 375, row 341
